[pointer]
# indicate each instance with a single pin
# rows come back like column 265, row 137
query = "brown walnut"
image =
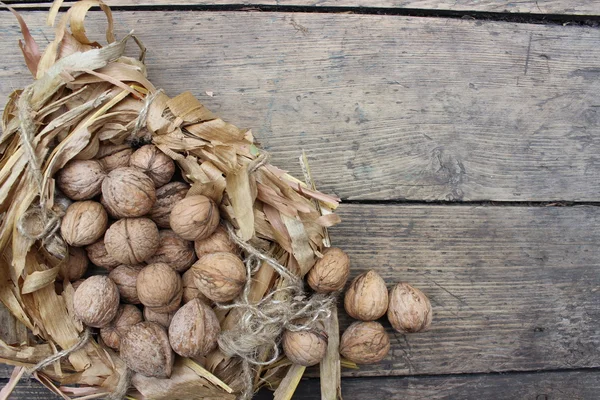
column 159, row 288
column 195, row 217
column 178, row 253
column 365, row 343
column 218, row 242
column 128, row 192
column 190, row 290
column 81, row 179
column 409, row 310
column 194, row 330
column 75, row 265
column 331, row 272
column 132, row 240
column 127, row 316
column 305, row 348
column 125, row 277
column 99, row 256
column 156, row 164
column 220, row 276
column 367, row 297
column 163, row 319
column 145, row 349
column 166, row 197
column 83, row 223
column 113, row 156
column 96, row 301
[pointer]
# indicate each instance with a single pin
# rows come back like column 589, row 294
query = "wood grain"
column 574, row 7
column 386, row 107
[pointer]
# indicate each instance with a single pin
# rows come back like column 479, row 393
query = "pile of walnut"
column 166, row 251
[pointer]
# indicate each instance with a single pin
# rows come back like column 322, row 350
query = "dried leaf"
column 39, row 279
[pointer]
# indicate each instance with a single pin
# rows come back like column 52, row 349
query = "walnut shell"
column 194, row 329
column 174, row 251
column 81, row 179
column 128, row 192
column 132, row 240
column 76, row 284
column 195, row 217
column 305, row 348
column 98, row 255
column 145, row 349
column 220, row 276
column 163, row 319
column 83, row 223
column 75, row 265
column 127, row 316
column 331, row 272
column 96, row 301
column 125, row 277
column 367, row 297
column 113, row 156
column 190, row 290
column 218, row 242
column 166, row 197
column 365, row 342
column 409, row 310
column 156, row 164
column 159, row 288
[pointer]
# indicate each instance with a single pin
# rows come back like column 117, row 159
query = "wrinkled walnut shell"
column 159, row 288
column 127, row 316
column 163, row 319
column 409, row 310
column 194, row 329
column 125, row 277
column 75, row 265
column 166, row 198
column 190, row 290
column 367, row 297
column 96, row 301
column 331, row 272
column 305, row 348
column 99, row 256
column 83, row 223
column 156, row 164
column 81, row 179
column 145, row 349
column 178, row 253
column 365, row 343
column 127, row 193
column 220, row 276
column 113, row 156
column 218, row 242
column 195, row 217
column 132, row 241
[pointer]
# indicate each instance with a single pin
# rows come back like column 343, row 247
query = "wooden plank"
column 386, row 107
column 574, row 7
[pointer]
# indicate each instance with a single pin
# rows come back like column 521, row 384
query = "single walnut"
column 365, row 343
column 128, row 192
column 132, row 240
column 174, row 251
column 409, row 310
column 76, row 284
column 156, row 164
column 83, row 223
column 113, row 156
column 195, row 217
column 367, row 297
column 99, row 256
column 127, row 316
column 331, row 272
column 75, row 265
column 125, row 277
column 145, row 349
column 163, row 319
column 305, row 348
column 218, row 242
column 81, row 179
column 96, row 301
column 159, row 288
column 166, row 197
column 194, row 330
column 190, row 290
column 220, row 276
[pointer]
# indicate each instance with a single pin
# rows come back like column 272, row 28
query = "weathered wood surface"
column 574, row 7
column 387, row 107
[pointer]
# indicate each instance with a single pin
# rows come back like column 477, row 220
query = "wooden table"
column 464, row 139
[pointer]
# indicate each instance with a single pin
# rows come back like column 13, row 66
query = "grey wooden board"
column 574, row 7
column 386, row 107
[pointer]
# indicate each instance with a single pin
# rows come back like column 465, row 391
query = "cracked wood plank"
column 386, row 107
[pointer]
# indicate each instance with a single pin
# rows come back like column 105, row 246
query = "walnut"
column 132, row 240
column 166, row 197
column 145, row 349
column 331, row 272
column 159, row 288
column 83, row 223
column 194, row 330
column 174, row 251
column 75, row 265
column 99, row 256
column 220, row 276
column 218, row 242
column 163, row 319
column 409, row 310
column 127, row 316
column 77, row 283
column 113, row 156
column 190, row 290
column 195, row 217
column 367, row 297
column 305, row 348
column 96, row 301
column 156, row 164
column 128, row 192
column 365, row 343
column 125, row 277
column 81, row 179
